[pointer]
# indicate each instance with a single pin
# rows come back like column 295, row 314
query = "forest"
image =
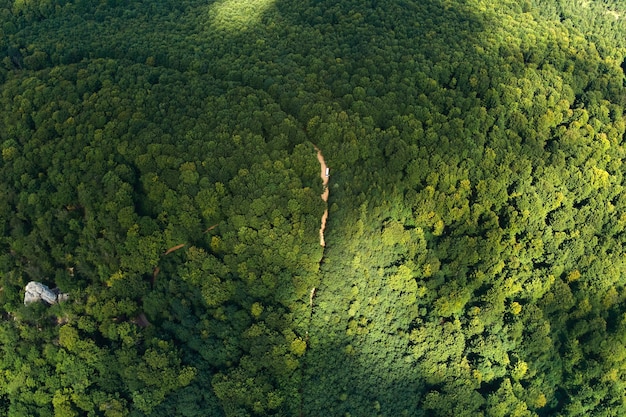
column 159, row 165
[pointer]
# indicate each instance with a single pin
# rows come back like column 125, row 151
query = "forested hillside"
column 159, row 165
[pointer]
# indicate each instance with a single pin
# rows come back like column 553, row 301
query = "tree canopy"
column 159, row 165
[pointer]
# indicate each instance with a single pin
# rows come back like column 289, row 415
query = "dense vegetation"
column 474, row 261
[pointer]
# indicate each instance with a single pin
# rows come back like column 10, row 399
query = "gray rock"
column 36, row 291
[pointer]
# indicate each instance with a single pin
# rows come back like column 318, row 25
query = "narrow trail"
column 324, row 175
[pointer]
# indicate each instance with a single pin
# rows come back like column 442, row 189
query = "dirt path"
column 323, row 171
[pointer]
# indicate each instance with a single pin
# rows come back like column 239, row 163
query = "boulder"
column 36, row 291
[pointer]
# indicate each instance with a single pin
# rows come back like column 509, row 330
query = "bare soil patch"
column 325, row 193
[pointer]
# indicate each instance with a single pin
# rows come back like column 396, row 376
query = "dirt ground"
column 325, row 194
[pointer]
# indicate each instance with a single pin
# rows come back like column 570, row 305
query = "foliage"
column 159, row 165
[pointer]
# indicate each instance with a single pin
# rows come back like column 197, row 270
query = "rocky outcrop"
column 36, row 291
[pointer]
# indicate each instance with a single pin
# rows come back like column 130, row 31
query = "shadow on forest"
column 340, row 383
column 338, row 377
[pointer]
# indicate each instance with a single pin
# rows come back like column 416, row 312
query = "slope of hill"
column 474, row 250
